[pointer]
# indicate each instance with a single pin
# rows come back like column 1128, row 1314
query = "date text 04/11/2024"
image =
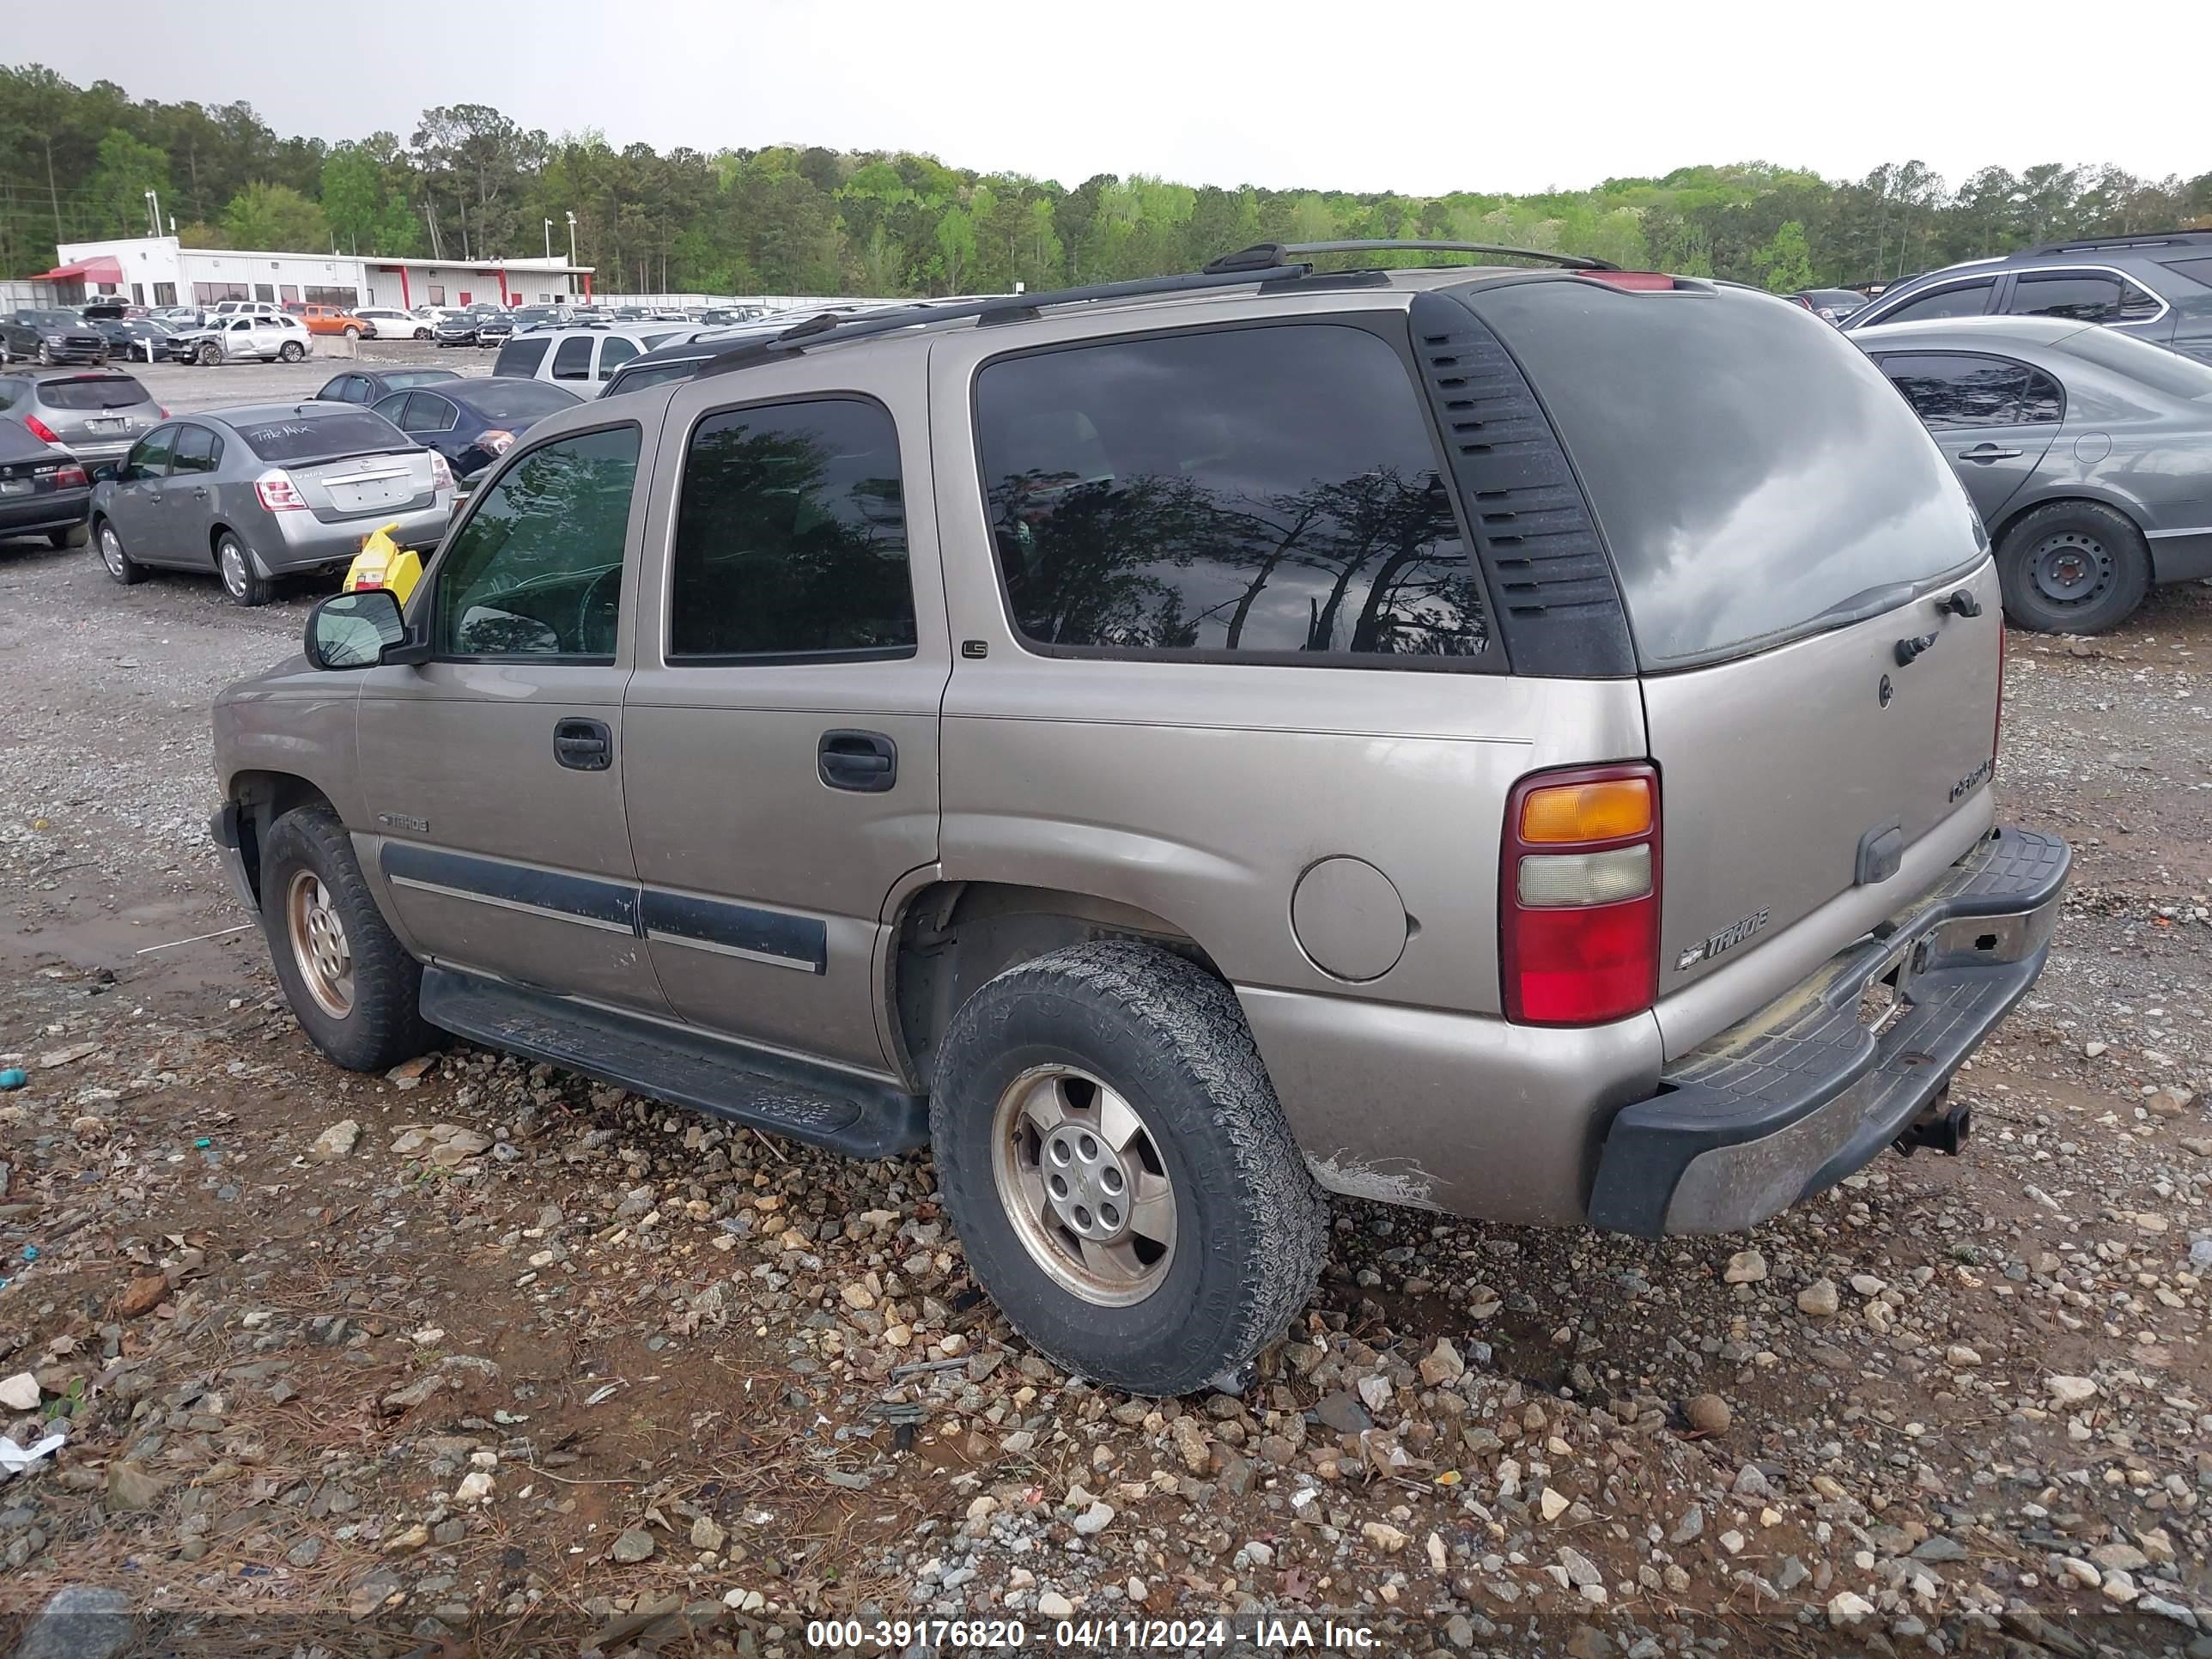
column 1265, row 1633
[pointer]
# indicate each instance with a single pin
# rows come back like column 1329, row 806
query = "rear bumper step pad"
column 1786, row 1104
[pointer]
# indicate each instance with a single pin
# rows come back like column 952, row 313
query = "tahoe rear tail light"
column 1578, row 895
column 38, row 429
column 278, row 493
column 1996, row 731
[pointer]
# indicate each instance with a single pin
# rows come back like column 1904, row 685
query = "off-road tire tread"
column 2023, row 610
column 1199, row 1024
column 386, row 1024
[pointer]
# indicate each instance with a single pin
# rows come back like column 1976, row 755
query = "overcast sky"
column 1421, row 96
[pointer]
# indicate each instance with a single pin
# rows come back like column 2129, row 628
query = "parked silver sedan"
column 2087, row 453
column 266, row 490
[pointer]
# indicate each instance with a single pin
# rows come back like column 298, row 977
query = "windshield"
column 319, row 437
column 2142, row 362
column 46, row 319
column 1752, row 470
column 92, row 392
column 531, row 400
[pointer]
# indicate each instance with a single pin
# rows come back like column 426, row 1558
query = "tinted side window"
column 1970, row 300
column 151, row 459
column 2088, row 296
column 1956, row 389
column 1269, row 490
column 520, row 357
column 614, row 351
column 196, row 451
column 791, row 537
column 537, row 570
column 573, row 362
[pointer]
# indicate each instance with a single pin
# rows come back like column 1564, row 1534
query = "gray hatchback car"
column 267, row 490
column 2088, row 455
column 1506, row 741
column 96, row 415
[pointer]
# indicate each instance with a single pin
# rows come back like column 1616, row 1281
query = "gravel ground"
column 482, row 1358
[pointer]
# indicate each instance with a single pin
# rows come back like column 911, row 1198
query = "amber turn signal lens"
column 1604, row 810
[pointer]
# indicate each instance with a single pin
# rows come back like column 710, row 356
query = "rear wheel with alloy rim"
column 291, row 351
column 119, row 564
column 244, row 585
column 2073, row 568
column 1124, row 1183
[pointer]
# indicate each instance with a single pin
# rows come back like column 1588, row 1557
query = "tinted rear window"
column 1751, row 469
column 103, row 391
column 2142, row 362
column 406, row 377
column 530, row 399
column 520, row 357
column 637, row 380
column 321, row 437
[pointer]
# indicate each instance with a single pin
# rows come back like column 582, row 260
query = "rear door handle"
column 1988, row 452
column 583, row 745
column 864, row 762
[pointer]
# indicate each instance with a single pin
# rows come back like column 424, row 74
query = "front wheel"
column 1124, row 1183
column 422, row 333
column 208, row 355
column 291, row 351
column 355, row 990
column 244, row 585
column 119, row 564
column 2073, row 568
column 45, row 355
column 351, row 333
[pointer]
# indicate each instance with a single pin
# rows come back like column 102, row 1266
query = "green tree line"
column 75, row 163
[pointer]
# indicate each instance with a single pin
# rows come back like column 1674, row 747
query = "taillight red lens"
column 1578, row 942
column 278, row 493
column 38, row 429
column 70, row 477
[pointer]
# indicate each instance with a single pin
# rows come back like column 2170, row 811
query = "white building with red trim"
column 160, row 270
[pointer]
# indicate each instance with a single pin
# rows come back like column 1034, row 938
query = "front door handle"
column 583, row 745
column 1989, row 452
column 200, row 494
column 865, row 761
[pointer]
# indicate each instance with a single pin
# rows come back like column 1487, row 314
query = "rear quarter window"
column 1272, row 492
column 520, row 357
column 1751, row 469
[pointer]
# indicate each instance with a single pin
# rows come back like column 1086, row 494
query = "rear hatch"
column 1787, row 539
column 96, row 408
column 352, row 464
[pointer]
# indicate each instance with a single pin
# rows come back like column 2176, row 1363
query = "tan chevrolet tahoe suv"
column 1509, row 741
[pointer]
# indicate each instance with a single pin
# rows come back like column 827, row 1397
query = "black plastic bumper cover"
column 1789, row 1102
column 223, row 829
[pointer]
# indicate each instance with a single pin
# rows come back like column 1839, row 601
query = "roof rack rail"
column 2133, row 238
column 827, row 327
column 1279, row 253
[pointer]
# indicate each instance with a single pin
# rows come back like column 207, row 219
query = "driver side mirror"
column 359, row 630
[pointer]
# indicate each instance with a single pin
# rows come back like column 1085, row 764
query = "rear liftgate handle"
column 583, row 745
column 865, row 761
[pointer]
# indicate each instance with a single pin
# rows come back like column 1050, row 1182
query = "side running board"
column 758, row 1089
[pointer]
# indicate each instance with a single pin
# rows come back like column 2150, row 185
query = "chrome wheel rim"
column 110, row 551
column 233, row 560
column 2071, row 568
column 318, row 944
column 1082, row 1178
